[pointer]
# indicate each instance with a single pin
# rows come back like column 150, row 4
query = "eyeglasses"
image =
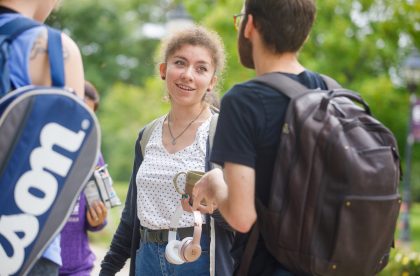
column 237, row 20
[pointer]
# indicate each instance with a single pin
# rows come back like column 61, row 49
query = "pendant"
column 173, row 142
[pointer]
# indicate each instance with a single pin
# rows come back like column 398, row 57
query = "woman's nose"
column 188, row 73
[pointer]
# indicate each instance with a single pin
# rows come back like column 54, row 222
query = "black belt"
column 161, row 236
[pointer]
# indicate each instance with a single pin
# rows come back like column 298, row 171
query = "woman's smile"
column 184, row 87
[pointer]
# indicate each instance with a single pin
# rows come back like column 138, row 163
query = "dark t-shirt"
column 248, row 133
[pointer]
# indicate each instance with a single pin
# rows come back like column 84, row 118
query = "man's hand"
column 232, row 191
column 212, row 189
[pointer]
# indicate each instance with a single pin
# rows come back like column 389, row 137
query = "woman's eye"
column 179, row 62
column 202, row 69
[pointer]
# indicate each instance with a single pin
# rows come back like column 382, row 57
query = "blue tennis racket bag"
column 49, row 146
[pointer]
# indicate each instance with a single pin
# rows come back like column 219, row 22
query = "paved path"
column 100, row 254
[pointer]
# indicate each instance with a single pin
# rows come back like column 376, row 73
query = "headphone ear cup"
column 189, row 251
column 172, row 252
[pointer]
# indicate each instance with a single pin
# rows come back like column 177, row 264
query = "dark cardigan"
column 126, row 239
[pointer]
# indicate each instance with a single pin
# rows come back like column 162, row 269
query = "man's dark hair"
column 283, row 24
column 92, row 94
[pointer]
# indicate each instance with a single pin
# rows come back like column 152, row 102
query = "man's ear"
column 249, row 26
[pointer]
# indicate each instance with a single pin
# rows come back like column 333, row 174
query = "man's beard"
column 245, row 49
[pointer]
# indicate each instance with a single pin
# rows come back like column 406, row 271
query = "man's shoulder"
column 250, row 88
column 254, row 88
column 253, row 92
column 250, row 85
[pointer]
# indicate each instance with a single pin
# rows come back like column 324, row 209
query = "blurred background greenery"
column 361, row 43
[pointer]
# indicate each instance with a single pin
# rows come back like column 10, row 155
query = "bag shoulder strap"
column 212, row 132
column 15, row 27
column 249, row 251
column 55, row 49
column 9, row 32
column 290, row 87
column 212, row 129
column 280, row 82
column 147, row 133
column 330, row 82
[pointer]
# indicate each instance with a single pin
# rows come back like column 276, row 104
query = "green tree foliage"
column 109, row 34
column 361, row 43
column 128, row 108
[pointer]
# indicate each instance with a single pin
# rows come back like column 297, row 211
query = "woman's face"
column 189, row 73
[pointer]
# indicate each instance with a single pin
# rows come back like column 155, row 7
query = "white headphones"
column 189, row 249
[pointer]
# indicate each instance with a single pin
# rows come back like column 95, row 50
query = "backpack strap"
column 290, row 87
column 214, row 109
column 280, row 82
column 15, row 27
column 330, row 82
column 212, row 129
column 55, row 49
column 147, row 133
column 249, row 251
column 209, row 219
column 11, row 30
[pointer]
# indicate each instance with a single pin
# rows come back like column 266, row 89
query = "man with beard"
column 271, row 32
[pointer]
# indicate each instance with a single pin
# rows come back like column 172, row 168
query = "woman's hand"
column 96, row 214
column 185, row 202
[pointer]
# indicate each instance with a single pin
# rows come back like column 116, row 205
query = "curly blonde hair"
column 196, row 36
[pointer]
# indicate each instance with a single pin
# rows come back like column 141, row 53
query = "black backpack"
column 334, row 198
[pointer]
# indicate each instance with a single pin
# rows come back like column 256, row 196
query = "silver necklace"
column 184, row 130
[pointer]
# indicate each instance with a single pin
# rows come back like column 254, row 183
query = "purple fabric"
column 101, row 161
column 415, row 121
column 75, row 251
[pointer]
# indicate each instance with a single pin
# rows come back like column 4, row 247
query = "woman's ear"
column 162, row 70
column 212, row 84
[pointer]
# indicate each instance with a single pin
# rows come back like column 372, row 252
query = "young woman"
column 192, row 60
